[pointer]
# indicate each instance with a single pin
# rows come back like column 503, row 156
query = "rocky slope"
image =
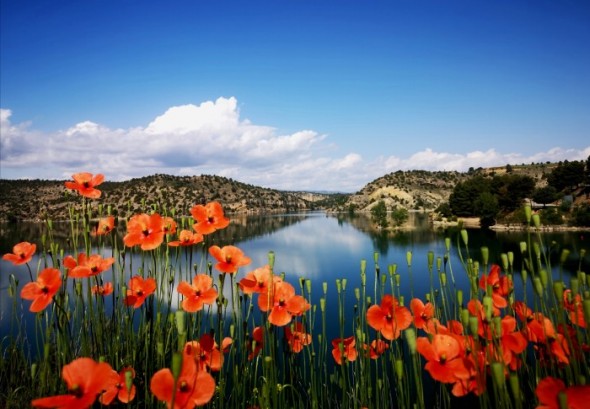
column 38, row 199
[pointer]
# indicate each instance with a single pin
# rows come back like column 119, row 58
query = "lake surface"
column 325, row 248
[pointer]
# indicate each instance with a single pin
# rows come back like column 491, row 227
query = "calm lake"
column 325, row 248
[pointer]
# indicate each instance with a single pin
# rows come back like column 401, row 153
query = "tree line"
column 498, row 196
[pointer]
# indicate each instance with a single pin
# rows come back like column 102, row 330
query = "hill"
column 38, row 199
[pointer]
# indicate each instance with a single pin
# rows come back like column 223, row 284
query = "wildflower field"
column 168, row 330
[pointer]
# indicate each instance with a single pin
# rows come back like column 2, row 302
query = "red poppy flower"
column 229, row 258
column 575, row 308
column 476, row 382
column 85, row 184
column 87, row 266
column 258, row 281
column 376, row 348
column 445, row 361
column 198, row 294
column 192, row 388
column 254, row 345
column 282, row 303
column 422, row 312
column 389, row 318
column 145, row 230
column 501, row 287
column 42, row 290
column 22, row 253
column 104, row 226
column 85, row 380
column 117, row 387
column 296, row 336
column 548, row 390
column 209, row 218
column 204, row 352
column 168, row 225
column 187, row 238
column 512, row 342
column 103, row 290
column 344, row 349
column 138, row 290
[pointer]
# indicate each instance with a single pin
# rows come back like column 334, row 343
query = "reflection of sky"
column 318, row 248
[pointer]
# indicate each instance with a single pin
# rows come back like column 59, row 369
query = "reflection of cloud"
column 212, row 138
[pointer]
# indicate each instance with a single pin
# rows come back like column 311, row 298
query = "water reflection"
column 322, row 248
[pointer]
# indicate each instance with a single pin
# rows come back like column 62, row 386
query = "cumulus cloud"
column 213, row 138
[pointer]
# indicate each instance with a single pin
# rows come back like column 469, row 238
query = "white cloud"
column 212, row 138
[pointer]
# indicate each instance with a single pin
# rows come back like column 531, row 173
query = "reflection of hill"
column 240, row 228
column 420, row 233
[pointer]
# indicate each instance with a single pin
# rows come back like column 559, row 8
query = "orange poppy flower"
column 254, row 345
column 104, row 226
column 445, row 361
column 42, row 290
column 376, row 348
column 258, row 281
column 87, row 266
column 168, row 225
column 85, row 184
column 282, row 303
column 117, row 387
column 138, row 290
column 192, row 388
column 501, row 287
column 512, row 343
column 421, row 312
column 389, row 318
column 103, row 290
column 296, row 336
column 344, row 349
column 145, row 230
column 85, row 380
column 229, row 258
column 198, row 294
column 548, row 390
column 204, row 352
column 209, row 218
column 22, row 253
column 186, row 238
column 476, row 382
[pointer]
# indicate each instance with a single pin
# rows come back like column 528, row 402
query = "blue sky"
column 314, row 95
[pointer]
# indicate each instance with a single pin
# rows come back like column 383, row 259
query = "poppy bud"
column 586, row 307
column 538, row 286
column 522, row 247
column 271, row 259
column 383, row 280
column 409, row 258
column 564, row 255
column 338, row 286
column 438, row 263
column 537, row 249
column 357, row 294
column 473, row 325
column 430, row 259
column 410, row 334
column 498, row 373
column 308, row 286
column 448, row 243
column 504, row 258
column 399, row 369
column 562, row 400
column 510, row 258
column 544, row 277
column 344, row 281
column 176, row 366
column 485, row 255
column 160, row 348
column 375, row 257
column 180, row 321
column 363, row 266
column 582, row 277
column 323, row 304
column 459, row 297
column 465, row 317
column 464, row 236
column 488, row 306
column 397, row 280
column 392, row 269
column 443, row 279
column 325, row 287
column 558, row 290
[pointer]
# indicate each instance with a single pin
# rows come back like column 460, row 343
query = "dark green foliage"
column 399, row 216
column 379, row 214
column 581, row 215
column 567, row 175
column 551, row 216
column 462, row 199
column 487, row 208
column 545, row 195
